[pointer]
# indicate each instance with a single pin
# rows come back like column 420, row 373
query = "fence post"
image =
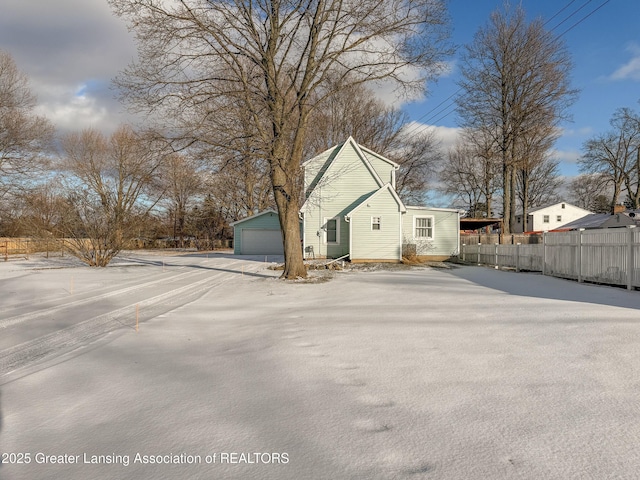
column 479, row 251
column 544, row 253
column 630, row 259
column 518, row 257
column 580, row 255
column 464, row 257
column 496, row 255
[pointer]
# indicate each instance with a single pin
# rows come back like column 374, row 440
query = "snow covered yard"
column 467, row 373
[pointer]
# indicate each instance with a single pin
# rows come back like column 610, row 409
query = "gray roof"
column 599, row 220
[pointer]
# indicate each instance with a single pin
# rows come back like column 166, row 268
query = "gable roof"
column 329, row 157
column 537, row 209
column 598, row 220
column 385, row 187
column 253, row 217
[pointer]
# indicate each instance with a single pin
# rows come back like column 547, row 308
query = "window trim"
column 432, row 227
column 326, row 230
column 379, row 223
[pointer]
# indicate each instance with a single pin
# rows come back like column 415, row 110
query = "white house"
column 352, row 209
column 542, row 219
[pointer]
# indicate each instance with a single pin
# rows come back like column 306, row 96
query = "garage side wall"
column 267, row 221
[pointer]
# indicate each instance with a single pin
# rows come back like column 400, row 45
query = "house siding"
column 346, row 174
column 535, row 221
column 382, row 167
column 383, row 244
column 446, row 231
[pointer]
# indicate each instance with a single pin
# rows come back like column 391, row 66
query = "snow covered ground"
column 462, row 373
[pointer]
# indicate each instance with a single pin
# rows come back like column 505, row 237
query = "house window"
column 563, row 205
column 558, row 218
column 423, row 227
column 545, row 219
column 332, row 230
column 376, row 223
column 518, row 219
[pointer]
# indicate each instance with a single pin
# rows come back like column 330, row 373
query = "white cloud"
column 631, row 69
column 447, row 136
column 70, row 50
column 566, row 156
column 577, row 132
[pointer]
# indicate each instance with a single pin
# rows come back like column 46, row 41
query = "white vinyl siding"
column 370, row 244
column 345, row 184
column 446, row 228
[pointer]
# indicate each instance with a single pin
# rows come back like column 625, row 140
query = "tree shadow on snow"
column 539, row 286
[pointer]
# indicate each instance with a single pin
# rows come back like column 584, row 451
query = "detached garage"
column 258, row 235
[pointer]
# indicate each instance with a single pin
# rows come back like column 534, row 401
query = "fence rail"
column 25, row 246
column 608, row 256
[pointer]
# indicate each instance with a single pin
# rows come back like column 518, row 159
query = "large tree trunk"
column 506, row 198
column 286, row 197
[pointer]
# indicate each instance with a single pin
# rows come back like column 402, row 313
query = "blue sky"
column 71, row 49
column 605, row 49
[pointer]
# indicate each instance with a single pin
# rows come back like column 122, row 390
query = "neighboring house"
column 598, row 220
column 548, row 218
column 352, row 210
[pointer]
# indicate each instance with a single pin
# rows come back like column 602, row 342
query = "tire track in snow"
column 63, row 341
column 47, row 312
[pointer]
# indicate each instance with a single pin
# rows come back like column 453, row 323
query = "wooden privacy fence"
column 610, row 256
column 26, row 246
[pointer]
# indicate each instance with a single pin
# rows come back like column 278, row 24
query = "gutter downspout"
column 348, row 220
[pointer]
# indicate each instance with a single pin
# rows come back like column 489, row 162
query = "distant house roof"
column 598, row 220
column 537, row 209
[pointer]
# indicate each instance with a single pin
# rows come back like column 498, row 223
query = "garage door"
column 261, row 242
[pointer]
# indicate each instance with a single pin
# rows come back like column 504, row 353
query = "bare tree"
column 515, row 85
column 41, row 209
column 109, row 193
column 615, row 155
column 419, row 157
column 274, row 59
column 180, row 181
column 591, row 192
column 25, row 138
column 539, row 184
column 472, row 174
column 357, row 112
column 241, row 186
